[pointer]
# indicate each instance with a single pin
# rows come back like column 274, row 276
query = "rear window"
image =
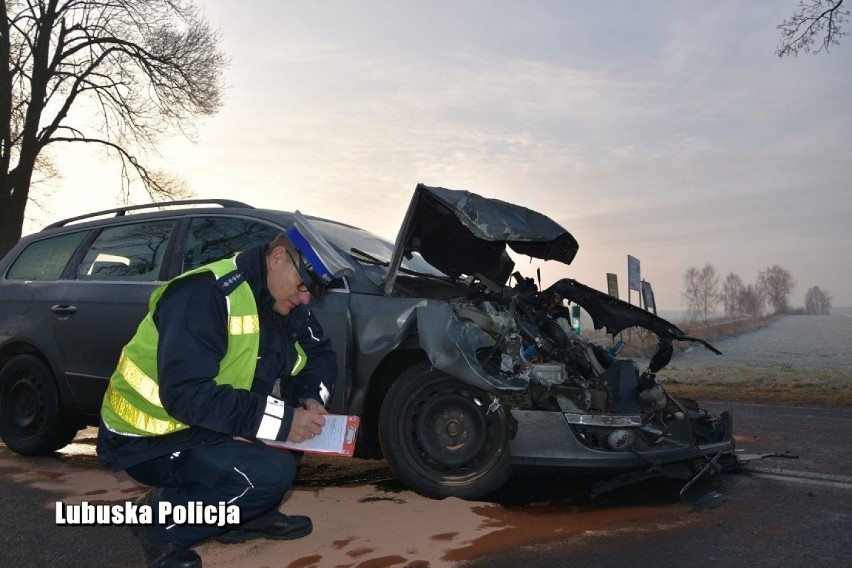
column 127, row 252
column 45, row 259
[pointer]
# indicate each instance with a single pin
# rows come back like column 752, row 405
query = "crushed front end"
column 567, row 402
column 577, row 406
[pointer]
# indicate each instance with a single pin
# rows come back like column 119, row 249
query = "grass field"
column 769, row 385
column 770, row 382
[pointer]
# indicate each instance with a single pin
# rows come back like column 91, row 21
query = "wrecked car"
column 462, row 370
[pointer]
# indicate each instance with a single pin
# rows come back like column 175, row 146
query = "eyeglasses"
column 302, row 287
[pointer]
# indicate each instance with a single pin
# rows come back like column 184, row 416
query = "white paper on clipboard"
column 337, row 437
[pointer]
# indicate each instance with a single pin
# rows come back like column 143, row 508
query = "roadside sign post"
column 575, row 318
column 648, row 297
column 634, row 278
column 612, row 284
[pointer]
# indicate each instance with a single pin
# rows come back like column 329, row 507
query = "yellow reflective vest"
column 132, row 403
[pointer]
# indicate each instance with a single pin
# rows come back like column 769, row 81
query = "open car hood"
column 459, row 232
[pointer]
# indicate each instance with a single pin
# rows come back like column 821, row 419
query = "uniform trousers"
column 253, row 477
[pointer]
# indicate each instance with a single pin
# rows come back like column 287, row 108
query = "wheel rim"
column 449, row 432
column 24, row 403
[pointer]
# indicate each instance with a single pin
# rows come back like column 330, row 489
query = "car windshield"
column 369, row 249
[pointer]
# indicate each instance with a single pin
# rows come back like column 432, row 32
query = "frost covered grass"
column 803, row 360
column 773, row 384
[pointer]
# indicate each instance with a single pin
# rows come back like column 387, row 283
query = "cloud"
column 669, row 131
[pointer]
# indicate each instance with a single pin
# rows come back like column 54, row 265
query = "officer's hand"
column 306, row 424
column 315, row 405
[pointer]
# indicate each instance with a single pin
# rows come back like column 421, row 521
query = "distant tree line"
column 704, row 291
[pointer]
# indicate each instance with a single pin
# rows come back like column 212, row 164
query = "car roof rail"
column 120, row 211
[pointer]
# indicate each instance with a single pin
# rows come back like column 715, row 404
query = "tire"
column 439, row 438
column 31, row 417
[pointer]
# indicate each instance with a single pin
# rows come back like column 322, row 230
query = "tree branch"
column 158, row 184
column 799, row 32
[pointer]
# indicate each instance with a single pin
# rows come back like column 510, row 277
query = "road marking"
column 731, row 404
column 807, row 477
column 841, row 485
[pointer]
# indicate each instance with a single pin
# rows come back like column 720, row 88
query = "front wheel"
column 31, row 417
column 439, row 437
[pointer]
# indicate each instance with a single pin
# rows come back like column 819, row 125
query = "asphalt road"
column 781, row 511
column 777, row 511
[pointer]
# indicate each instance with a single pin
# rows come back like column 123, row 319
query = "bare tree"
column 730, row 296
column 751, row 301
column 812, row 19
column 777, row 283
column 817, row 301
column 701, row 290
column 141, row 68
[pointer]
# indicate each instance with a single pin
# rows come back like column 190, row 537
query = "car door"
column 333, row 314
column 99, row 308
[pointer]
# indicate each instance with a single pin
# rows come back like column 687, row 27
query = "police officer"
column 227, row 350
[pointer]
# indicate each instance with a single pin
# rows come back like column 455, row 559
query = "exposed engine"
column 610, row 403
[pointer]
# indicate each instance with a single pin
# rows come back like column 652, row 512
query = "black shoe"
column 275, row 526
column 159, row 553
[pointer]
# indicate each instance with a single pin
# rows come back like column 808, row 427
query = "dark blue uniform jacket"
column 192, row 321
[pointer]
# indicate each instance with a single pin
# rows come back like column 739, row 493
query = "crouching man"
column 226, row 350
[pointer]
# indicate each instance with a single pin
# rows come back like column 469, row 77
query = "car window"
column 45, row 259
column 127, row 252
column 213, row 238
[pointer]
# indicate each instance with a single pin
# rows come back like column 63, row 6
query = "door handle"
column 64, row 312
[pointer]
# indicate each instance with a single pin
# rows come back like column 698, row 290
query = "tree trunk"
column 13, row 202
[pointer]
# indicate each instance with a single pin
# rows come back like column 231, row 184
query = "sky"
column 669, row 131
